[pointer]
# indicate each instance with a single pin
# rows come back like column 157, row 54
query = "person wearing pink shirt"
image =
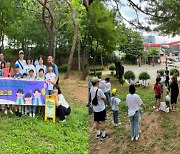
column 8, row 71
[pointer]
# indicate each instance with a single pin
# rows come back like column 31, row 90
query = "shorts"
column 158, row 96
column 173, row 100
column 100, row 116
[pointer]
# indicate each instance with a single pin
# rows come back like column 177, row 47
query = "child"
column 32, row 108
column 40, row 76
column 25, row 107
column 115, row 106
column 158, row 92
column 17, row 75
column 168, row 99
column 8, row 72
column 51, row 79
column 31, row 75
column 108, row 91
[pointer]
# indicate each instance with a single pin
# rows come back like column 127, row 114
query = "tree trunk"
column 85, row 73
column 79, row 56
column 102, row 60
column 73, row 48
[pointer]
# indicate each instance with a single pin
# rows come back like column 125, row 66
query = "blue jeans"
column 108, row 97
column 32, row 109
column 134, row 124
column 115, row 117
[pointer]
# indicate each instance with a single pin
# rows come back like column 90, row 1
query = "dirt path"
column 74, row 89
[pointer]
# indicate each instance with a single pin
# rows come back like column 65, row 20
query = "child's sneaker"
column 98, row 136
column 132, row 138
column 33, row 115
column 11, row 111
column 104, row 137
column 30, row 114
column 5, row 112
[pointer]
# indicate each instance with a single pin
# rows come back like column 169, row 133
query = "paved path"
column 149, row 68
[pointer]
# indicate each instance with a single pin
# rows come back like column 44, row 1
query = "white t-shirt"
column 27, row 68
column 38, row 67
column 133, row 102
column 108, row 86
column 62, row 101
column 50, row 77
column 102, row 86
column 23, row 64
column 100, row 95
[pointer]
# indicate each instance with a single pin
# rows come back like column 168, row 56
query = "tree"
column 153, row 52
column 133, row 46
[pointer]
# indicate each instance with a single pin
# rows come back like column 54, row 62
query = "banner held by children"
column 22, row 92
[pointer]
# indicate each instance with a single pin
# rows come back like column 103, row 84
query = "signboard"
column 50, row 107
column 22, row 92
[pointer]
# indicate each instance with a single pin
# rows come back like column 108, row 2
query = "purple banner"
column 22, row 92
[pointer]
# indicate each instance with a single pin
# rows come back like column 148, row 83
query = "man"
column 167, row 77
column 21, row 62
column 98, row 101
column 55, row 68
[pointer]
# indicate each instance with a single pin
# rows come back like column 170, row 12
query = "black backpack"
column 95, row 100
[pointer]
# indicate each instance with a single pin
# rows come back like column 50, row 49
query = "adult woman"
column 133, row 101
column 8, row 71
column 174, row 92
column 62, row 107
column 29, row 67
column 98, row 101
column 41, row 65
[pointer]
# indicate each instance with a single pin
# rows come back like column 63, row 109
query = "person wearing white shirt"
column 29, row 67
column 102, row 85
column 98, row 101
column 133, row 102
column 62, row 107
column 108, row 91
column 41, row 65
column 21, row 62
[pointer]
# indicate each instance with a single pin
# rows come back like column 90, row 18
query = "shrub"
column 112, row 67
column 99, row 68
column 63, row 68
column 98, row 74
column 161, row 71
column 129, row 75
column 172, row 72
column 144, row 76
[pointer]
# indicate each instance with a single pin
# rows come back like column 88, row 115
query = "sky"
column 130, row 14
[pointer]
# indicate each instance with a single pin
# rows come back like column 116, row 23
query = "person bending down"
column 62, row 107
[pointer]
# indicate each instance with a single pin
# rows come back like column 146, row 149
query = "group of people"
column 34, row 70
column 99, row 99
column 172, row 90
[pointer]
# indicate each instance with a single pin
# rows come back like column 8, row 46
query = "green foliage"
column 161, row 71
column 144, row 76
column 98, row 68
column 133, row 46
column 129, row 75
column 166, row 16
column 63, row 68
column 98, row 74
column 172, row 72
column 153, row 52
column 112, row 67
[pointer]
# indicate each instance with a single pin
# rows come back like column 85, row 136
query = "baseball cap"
column 21, row 52
column 95, row 79
column 16, row 66
column 114, row 91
